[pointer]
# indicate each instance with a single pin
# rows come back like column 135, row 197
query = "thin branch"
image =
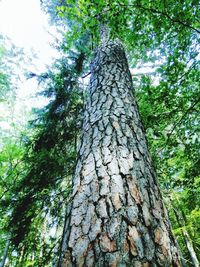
column 87, row 74
column 179, row 121
column 163, row 14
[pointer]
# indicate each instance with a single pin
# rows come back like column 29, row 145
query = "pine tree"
column 116, row 216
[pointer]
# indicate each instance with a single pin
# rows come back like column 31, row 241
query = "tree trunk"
column 5, row 254
column 116, row 216
column 188, row 241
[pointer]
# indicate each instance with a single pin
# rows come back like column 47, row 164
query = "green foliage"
column 171, row 118
column 10, row 59
column 11, row 147
column 38, row 198
column 11, row 167
column 143, row 26
column 4, row 76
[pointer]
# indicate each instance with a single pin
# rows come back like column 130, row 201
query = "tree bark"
column 116, row 216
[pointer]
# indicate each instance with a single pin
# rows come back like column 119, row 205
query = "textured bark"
column 116, row 216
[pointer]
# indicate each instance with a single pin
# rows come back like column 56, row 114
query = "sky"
column 27, row 26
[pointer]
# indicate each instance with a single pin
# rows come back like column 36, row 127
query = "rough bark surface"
column 116, row 217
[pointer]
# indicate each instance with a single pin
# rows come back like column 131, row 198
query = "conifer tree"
column 116, row 216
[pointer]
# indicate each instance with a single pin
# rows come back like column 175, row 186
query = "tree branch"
column 179, row 121
column 163, row 14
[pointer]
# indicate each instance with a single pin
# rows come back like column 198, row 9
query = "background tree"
column 11, row 148
column 36, row 201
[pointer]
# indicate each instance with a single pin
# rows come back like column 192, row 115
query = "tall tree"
column 35, row 202
column 11, row 148
column 116, row 216
column 125, row 224
column 187, row 239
